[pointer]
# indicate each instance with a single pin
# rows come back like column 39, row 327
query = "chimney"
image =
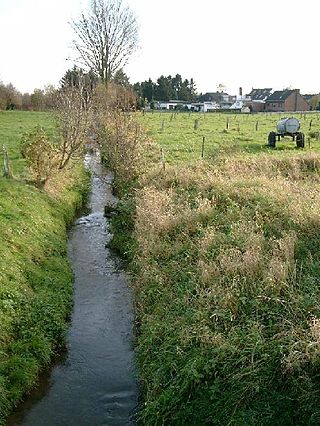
column 240, row 91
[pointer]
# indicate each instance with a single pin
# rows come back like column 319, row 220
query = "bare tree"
column 73, row 110
column 106, row 37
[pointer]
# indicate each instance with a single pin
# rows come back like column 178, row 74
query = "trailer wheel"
column 272, row 139
column 300, row 140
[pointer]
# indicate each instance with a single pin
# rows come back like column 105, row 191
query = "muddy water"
column 95, row 384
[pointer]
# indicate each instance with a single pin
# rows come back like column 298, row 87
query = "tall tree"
column 164, row 89
column 121, row 78
column 106, row 37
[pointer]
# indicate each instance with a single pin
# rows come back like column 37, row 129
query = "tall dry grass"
column 227, row 291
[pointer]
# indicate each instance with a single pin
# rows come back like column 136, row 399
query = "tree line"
column 166, row 88
column 38, row 100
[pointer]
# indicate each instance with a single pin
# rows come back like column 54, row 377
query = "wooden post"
column 6, row 167
column 162, row 159
column 257, row 126
column 227, row 123
column 196, row 124
column 202, row 148
column 310, row 125
column 238, row 127
column 309, row 142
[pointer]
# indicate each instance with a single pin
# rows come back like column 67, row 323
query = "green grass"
column 13, row 124
column 225, row 253
column 35, row 276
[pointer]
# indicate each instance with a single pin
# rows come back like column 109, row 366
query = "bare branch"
column 106, row 37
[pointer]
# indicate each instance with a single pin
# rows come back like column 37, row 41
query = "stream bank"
column 95, row 384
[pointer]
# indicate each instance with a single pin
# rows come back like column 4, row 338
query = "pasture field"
column 226, row 256
column 13, row 124
column 224, row 133
column 35, row 276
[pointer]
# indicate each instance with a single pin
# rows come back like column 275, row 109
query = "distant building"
column 204, row 106
column 170, row 105
column 187, row 106
column 256, row 99
column 240, row 102
column 286, row 100
column 221, row 98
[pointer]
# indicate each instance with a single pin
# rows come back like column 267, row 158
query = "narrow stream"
column 95, row 384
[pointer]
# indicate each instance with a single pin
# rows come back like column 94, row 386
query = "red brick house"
column 257, row 98
column 286, row 100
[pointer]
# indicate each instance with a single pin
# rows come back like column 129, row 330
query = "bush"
column 41, row 155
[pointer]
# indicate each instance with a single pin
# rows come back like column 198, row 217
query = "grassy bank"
column 35, row 277
column 226, row 260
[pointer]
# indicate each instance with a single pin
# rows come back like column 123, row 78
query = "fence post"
column 6, row 167
column 196, row 124
column 202, row 149
column 162, row 159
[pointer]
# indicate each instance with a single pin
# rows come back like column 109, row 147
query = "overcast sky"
column 248, row 43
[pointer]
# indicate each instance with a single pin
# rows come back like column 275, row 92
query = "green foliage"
column 167, row 88
column 122, row 226
column 41, row 155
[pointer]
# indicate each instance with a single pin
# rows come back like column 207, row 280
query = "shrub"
column 41, row 155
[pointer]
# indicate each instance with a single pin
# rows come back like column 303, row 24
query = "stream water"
column 94, row 383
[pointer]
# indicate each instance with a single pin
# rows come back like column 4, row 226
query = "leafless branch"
column 106, row 37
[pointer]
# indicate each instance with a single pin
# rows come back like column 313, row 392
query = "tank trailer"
column 287, row 127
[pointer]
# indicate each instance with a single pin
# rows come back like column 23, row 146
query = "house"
column 221, row 98
column 204, row 106
column 257, row 98
column 240, row 102
column 186, row 106
column 286, row 100
column 170, row 105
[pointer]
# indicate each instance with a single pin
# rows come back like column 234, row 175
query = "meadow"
column 14, row 124
column 35, row 276
column 223, row 133
column 225, row 255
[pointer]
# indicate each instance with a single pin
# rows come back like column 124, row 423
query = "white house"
column 204, row 106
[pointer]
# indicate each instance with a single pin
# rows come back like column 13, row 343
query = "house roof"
column 280, row 95
column 260, row 94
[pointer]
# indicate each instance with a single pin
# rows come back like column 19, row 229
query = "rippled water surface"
column 94, row 383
